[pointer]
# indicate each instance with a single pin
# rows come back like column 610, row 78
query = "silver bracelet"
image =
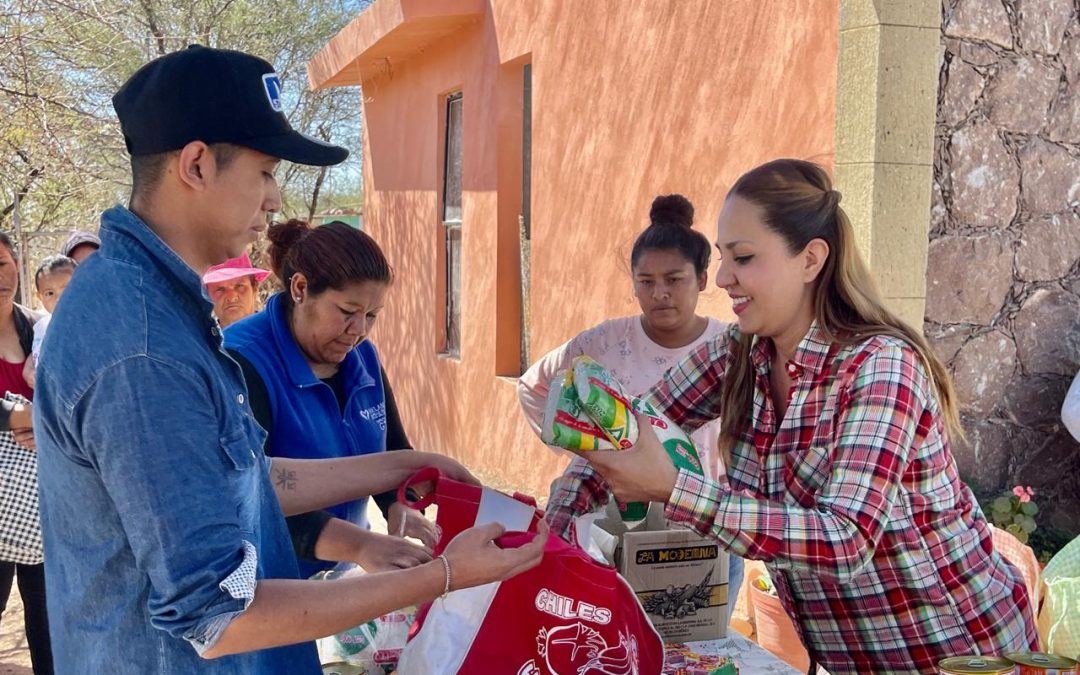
column 446, row 567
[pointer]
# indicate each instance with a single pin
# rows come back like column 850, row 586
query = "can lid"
column 974, row 665
column 342, row 668
column 1039, row 659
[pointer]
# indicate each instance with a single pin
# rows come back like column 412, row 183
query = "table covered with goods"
column 711, row 656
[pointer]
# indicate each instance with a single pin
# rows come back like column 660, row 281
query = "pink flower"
column 1024, row 494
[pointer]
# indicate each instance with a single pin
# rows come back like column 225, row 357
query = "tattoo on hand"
column 285, row 479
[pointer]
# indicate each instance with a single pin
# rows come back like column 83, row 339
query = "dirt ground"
column 14, row 657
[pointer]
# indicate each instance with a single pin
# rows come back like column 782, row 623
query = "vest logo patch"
column 377, row 414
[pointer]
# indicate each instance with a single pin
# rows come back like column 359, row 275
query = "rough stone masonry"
column 1003, row 280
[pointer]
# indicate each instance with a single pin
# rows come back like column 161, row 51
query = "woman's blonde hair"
column 800, row 205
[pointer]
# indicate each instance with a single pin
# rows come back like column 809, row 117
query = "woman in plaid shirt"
column 836, row 417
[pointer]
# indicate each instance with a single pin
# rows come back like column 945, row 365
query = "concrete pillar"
column 886, row 102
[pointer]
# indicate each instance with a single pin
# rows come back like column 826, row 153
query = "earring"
column 297, row 299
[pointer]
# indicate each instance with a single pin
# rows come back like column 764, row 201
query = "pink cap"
column 234, row 268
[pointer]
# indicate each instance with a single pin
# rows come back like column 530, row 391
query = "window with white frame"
column 451, row 223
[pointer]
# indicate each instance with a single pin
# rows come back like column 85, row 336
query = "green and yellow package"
column 566, row 424
column 587, row 410
column 603, row 400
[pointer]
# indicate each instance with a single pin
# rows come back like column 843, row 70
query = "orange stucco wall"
column 631, row 98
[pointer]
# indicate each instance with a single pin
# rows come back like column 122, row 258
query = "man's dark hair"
column 5, row 240
column 147, row 170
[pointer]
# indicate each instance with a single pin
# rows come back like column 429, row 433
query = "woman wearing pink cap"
column 232, row 286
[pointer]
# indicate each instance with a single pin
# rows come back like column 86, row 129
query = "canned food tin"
column 342, row 668
column 1037, row 663
column 976, row 665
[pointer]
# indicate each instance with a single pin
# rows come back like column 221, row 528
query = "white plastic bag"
column 376, row 645
column 1059, row 621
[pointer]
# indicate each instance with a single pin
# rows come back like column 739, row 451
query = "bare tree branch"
column 151, row 21
column 61, row 149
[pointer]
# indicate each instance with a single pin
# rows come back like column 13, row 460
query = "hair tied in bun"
column 672, row 210
column 284, row 236
column 671, row 221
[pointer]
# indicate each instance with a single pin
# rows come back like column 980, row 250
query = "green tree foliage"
column 61, row 150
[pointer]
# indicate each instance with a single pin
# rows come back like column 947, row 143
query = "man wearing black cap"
column 162, row 518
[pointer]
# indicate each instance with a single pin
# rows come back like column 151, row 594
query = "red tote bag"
column 462, row 506
column 568, row 616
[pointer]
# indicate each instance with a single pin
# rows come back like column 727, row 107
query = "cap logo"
column 272, row 86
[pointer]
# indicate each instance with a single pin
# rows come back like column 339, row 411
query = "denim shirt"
column 307, row 420
column 156, row 504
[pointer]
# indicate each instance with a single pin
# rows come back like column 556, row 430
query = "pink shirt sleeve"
column 534, row 384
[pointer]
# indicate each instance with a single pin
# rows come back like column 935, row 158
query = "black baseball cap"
column 213, row 96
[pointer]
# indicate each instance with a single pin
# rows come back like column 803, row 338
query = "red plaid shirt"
column 852, row 500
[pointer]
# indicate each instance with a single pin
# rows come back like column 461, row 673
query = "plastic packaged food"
column 566, row 423
column 587, row 410
column 372, row 648
column 604, row 401
column 680, row 659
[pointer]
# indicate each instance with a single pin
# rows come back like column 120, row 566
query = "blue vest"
column 307, row 421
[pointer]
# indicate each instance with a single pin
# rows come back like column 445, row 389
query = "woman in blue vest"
column 316, row 385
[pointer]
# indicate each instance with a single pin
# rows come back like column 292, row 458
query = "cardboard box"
column 681, row 580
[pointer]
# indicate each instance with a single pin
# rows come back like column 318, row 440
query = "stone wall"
column 1003, row 281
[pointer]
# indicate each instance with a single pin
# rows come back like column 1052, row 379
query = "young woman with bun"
column 669, row 265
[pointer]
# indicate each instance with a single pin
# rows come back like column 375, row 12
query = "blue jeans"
column 735, row 578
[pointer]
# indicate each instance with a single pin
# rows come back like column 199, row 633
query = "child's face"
column 50, row 286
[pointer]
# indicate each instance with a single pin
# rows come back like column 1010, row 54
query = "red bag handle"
column 525, row 499
column 427, row 474
column 514, row 539
column 433, row 475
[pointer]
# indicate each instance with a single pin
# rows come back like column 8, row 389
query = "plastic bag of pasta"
column 375, row 646
column 588, row 410
column 602, row 399
column 566, row 423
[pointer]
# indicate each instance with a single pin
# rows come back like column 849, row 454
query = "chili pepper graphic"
column 577, row 649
